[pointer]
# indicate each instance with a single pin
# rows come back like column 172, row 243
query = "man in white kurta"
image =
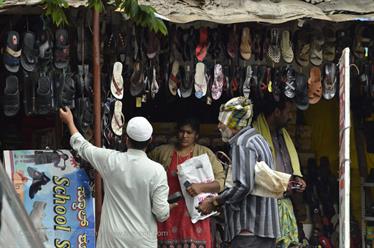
column 135, row 187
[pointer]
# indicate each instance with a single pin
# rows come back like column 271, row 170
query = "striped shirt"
column 243, row 211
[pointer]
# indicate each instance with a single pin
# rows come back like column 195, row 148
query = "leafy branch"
column 142, row 15
column 55, row 9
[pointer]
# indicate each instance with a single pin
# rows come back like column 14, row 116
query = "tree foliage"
column 55, row 9
column 142, row 15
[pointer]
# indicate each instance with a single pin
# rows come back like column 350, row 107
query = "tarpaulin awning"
column 236, row 11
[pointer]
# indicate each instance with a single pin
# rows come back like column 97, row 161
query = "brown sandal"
column 314, row 85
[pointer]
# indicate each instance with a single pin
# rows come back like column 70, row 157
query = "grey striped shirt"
column 243, row 211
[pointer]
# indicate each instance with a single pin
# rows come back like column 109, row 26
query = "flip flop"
column 247, row 82
column 174, row 81
column 62, row 49
column 201, row 82
column 12, row 53
column 44, row 95
column 28, row 57
column 329, row 46
column 316, row 54
column 274, row 51
column 218, row 82
column 232, row 44
column 45, row 46
column 245, row 44
column 187, row 83
column 202, row 47
column 290, row 84
column 153, row 46
column 154, row 85
column 116, row 84
column 302, row 47
column 84, row 115
column 67, row 92
column 329, row 81
column 11, row 96
column 137, row 80
column 314, row 85
column 286, row 47
column 118, row 119
column 301, row 96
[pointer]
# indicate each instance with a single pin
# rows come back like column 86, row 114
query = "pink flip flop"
column 202, row 48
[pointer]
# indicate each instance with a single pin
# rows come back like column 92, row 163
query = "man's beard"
column 226, row 134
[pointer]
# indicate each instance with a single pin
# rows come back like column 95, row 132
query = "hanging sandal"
column 330, row 81
column 116, row 86
column 286, row 47
column 201, row 84
column 274, row 52
column 44, row 95
column 187, row 83
column 316, row 53
column 302, row 48
column 247, row 82
column 11, row 96
column 12, row 53
column 245, row 44
column 290, row 84
column 67, row 92
column 118, row 119
column 218, row 82
column 28, row 57
column 154, row 85
column 137, row 80
column 174, row 80
column 315, row 86
column 232, row 44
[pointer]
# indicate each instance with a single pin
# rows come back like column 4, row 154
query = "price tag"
column 138, row 102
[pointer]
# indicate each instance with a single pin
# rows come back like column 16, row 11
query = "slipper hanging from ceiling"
column 116, row 86
column 118, row 119
column 11, row 96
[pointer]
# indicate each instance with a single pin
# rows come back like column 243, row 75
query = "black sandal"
column 43, row 95
column 11, row 96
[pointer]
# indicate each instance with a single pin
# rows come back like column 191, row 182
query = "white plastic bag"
column 195, row 170
column 268, row 182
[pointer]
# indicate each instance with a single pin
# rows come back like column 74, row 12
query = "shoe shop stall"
column 290, row 49
column 214, row 51
column 42, row 68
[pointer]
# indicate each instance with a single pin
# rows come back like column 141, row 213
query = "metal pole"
column 97, row 111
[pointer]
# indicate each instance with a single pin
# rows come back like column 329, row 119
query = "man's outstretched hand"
column 67, row 117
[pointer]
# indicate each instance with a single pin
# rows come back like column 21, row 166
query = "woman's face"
column 186, row 136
